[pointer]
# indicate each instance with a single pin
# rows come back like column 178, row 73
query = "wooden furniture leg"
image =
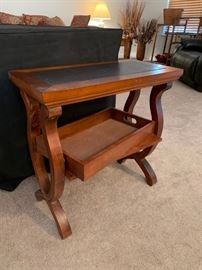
column 154, row 42
column 157, row 116
column 170, row 45
column 166, row 39
column 131, row 101
column 43, row 120
column 149, row 173
column 129, row 107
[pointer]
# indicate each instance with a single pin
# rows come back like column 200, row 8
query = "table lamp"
column 101, row 13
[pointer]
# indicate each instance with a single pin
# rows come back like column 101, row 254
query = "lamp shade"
column 101, row 12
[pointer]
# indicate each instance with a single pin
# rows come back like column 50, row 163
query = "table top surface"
column 74, row 83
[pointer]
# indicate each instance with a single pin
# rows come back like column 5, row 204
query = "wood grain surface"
column 82, row 148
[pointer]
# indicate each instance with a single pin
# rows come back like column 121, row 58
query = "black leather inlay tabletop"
column 85, row 73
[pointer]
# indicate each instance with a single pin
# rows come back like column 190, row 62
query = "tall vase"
column 140, row 50
column 127, row 42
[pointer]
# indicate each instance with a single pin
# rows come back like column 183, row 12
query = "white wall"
column 62, row 8
column 67, row 8
column 154, row 9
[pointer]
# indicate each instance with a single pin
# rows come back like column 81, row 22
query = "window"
column 192, row 15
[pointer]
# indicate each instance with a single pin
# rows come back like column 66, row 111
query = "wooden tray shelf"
column 93, row 142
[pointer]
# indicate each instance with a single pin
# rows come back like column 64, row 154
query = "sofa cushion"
column 55, row 21
column 80, row 21
column 6, row 18
column 33, row 19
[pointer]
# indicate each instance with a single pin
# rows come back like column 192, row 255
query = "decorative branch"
column 130, row 17
column 146, row 30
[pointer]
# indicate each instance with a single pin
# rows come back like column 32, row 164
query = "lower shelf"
column 93, row 142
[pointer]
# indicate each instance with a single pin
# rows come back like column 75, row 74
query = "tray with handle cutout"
column 93, row 142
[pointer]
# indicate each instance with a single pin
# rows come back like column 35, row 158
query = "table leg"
column 129, row 107
column 42, row 120
column 154, row 43
column 157, row 116
column 166, row 39
column 131, row 101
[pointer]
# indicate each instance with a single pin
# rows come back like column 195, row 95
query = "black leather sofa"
column 37, row 46
column 189, row 57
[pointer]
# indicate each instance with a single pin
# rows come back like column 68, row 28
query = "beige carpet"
column 118, row 222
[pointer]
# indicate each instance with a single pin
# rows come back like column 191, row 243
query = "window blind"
column 192, row 10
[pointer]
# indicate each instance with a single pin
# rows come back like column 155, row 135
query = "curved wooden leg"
column 157, row 117
column 39, row 195
column 58, row 213
column 129, row 107
column 120, row 161
column 60, row 217
column 131, row 101
column 156, row 114
column 42, row 120
column 149, row 173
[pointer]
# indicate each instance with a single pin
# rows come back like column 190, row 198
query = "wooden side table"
column 82, row 148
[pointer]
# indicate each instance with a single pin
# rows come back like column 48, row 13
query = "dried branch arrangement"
column 146, row 30
column 130, row 17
